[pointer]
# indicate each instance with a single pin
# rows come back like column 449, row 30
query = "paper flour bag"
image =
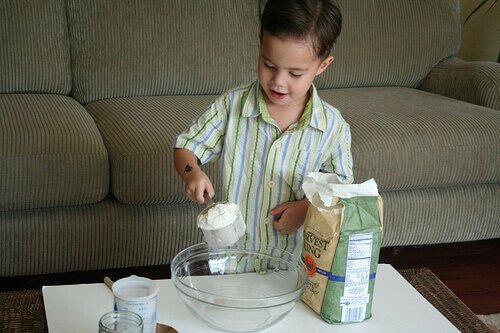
column 342, row 236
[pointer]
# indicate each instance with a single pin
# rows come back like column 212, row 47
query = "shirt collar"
column 313, row 115
column 251, row 104
column 318, row 117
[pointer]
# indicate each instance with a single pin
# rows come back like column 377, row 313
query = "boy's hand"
column 293, row 214
column 197, row 183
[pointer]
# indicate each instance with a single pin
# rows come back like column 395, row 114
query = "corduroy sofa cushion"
column 404, row 138
column 392, row 43
column 476, row 82
column 34, row 51
column 409, row 139
column 139, row 134
column 104, row 235
column 109, row 234
column 157, row 47
column 51, row 153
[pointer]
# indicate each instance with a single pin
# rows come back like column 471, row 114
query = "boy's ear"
column 324, row 64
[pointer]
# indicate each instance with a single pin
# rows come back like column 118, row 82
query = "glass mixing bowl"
column 238, row 290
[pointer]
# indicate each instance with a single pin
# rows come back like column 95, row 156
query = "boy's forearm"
column 185, row 162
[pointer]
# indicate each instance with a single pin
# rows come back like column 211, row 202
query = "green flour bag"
column 342, row 237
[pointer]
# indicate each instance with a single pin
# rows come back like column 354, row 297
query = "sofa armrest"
column 476, row 82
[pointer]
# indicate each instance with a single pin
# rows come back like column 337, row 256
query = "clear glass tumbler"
column 121, row 322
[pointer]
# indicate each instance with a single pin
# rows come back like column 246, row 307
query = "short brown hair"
column 320, row 20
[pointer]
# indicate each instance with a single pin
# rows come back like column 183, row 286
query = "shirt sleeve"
column 340, row 159
column 205, row 136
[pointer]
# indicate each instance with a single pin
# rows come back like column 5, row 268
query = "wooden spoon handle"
column 108, row 282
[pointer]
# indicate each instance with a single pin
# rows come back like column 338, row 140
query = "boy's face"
column 287, row 68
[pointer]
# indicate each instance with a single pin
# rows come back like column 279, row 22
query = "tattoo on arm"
column 188, row 168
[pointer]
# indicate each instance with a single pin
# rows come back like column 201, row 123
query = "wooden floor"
column 471, row 270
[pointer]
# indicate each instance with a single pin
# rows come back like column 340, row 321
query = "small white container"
column 222, row 224
column 139, row 295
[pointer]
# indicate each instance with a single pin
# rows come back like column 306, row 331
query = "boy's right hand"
column 197, row 183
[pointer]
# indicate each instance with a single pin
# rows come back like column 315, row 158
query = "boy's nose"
column 278, row 78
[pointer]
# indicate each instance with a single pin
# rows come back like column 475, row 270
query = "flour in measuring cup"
column 218, row 216
column 222, row 224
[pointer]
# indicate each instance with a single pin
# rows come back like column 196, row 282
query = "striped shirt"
column 264, row 167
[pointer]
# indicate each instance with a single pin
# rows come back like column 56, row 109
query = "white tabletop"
column 397, row 307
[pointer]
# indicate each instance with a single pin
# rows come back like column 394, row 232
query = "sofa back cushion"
column 34, row 51
column 392, row 42
column 157, row 47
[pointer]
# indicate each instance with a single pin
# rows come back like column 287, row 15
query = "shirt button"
column 271, row 183
column 267, row 220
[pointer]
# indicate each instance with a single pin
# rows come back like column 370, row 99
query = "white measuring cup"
column 139, row 295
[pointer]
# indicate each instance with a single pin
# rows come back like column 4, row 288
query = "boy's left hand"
column 293, row 214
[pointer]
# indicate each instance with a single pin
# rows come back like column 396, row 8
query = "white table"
column 397, row 307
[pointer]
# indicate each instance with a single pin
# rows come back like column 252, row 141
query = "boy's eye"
column 268, row 65
column 295, row 75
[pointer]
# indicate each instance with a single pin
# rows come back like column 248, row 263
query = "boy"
column 270, row 134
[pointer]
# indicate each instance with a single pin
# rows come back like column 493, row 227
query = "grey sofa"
column 92, row 94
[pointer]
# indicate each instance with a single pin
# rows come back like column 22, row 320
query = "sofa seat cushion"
column 103, row 235
column 407, row 139
column 51, row 153
column 139, row 133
